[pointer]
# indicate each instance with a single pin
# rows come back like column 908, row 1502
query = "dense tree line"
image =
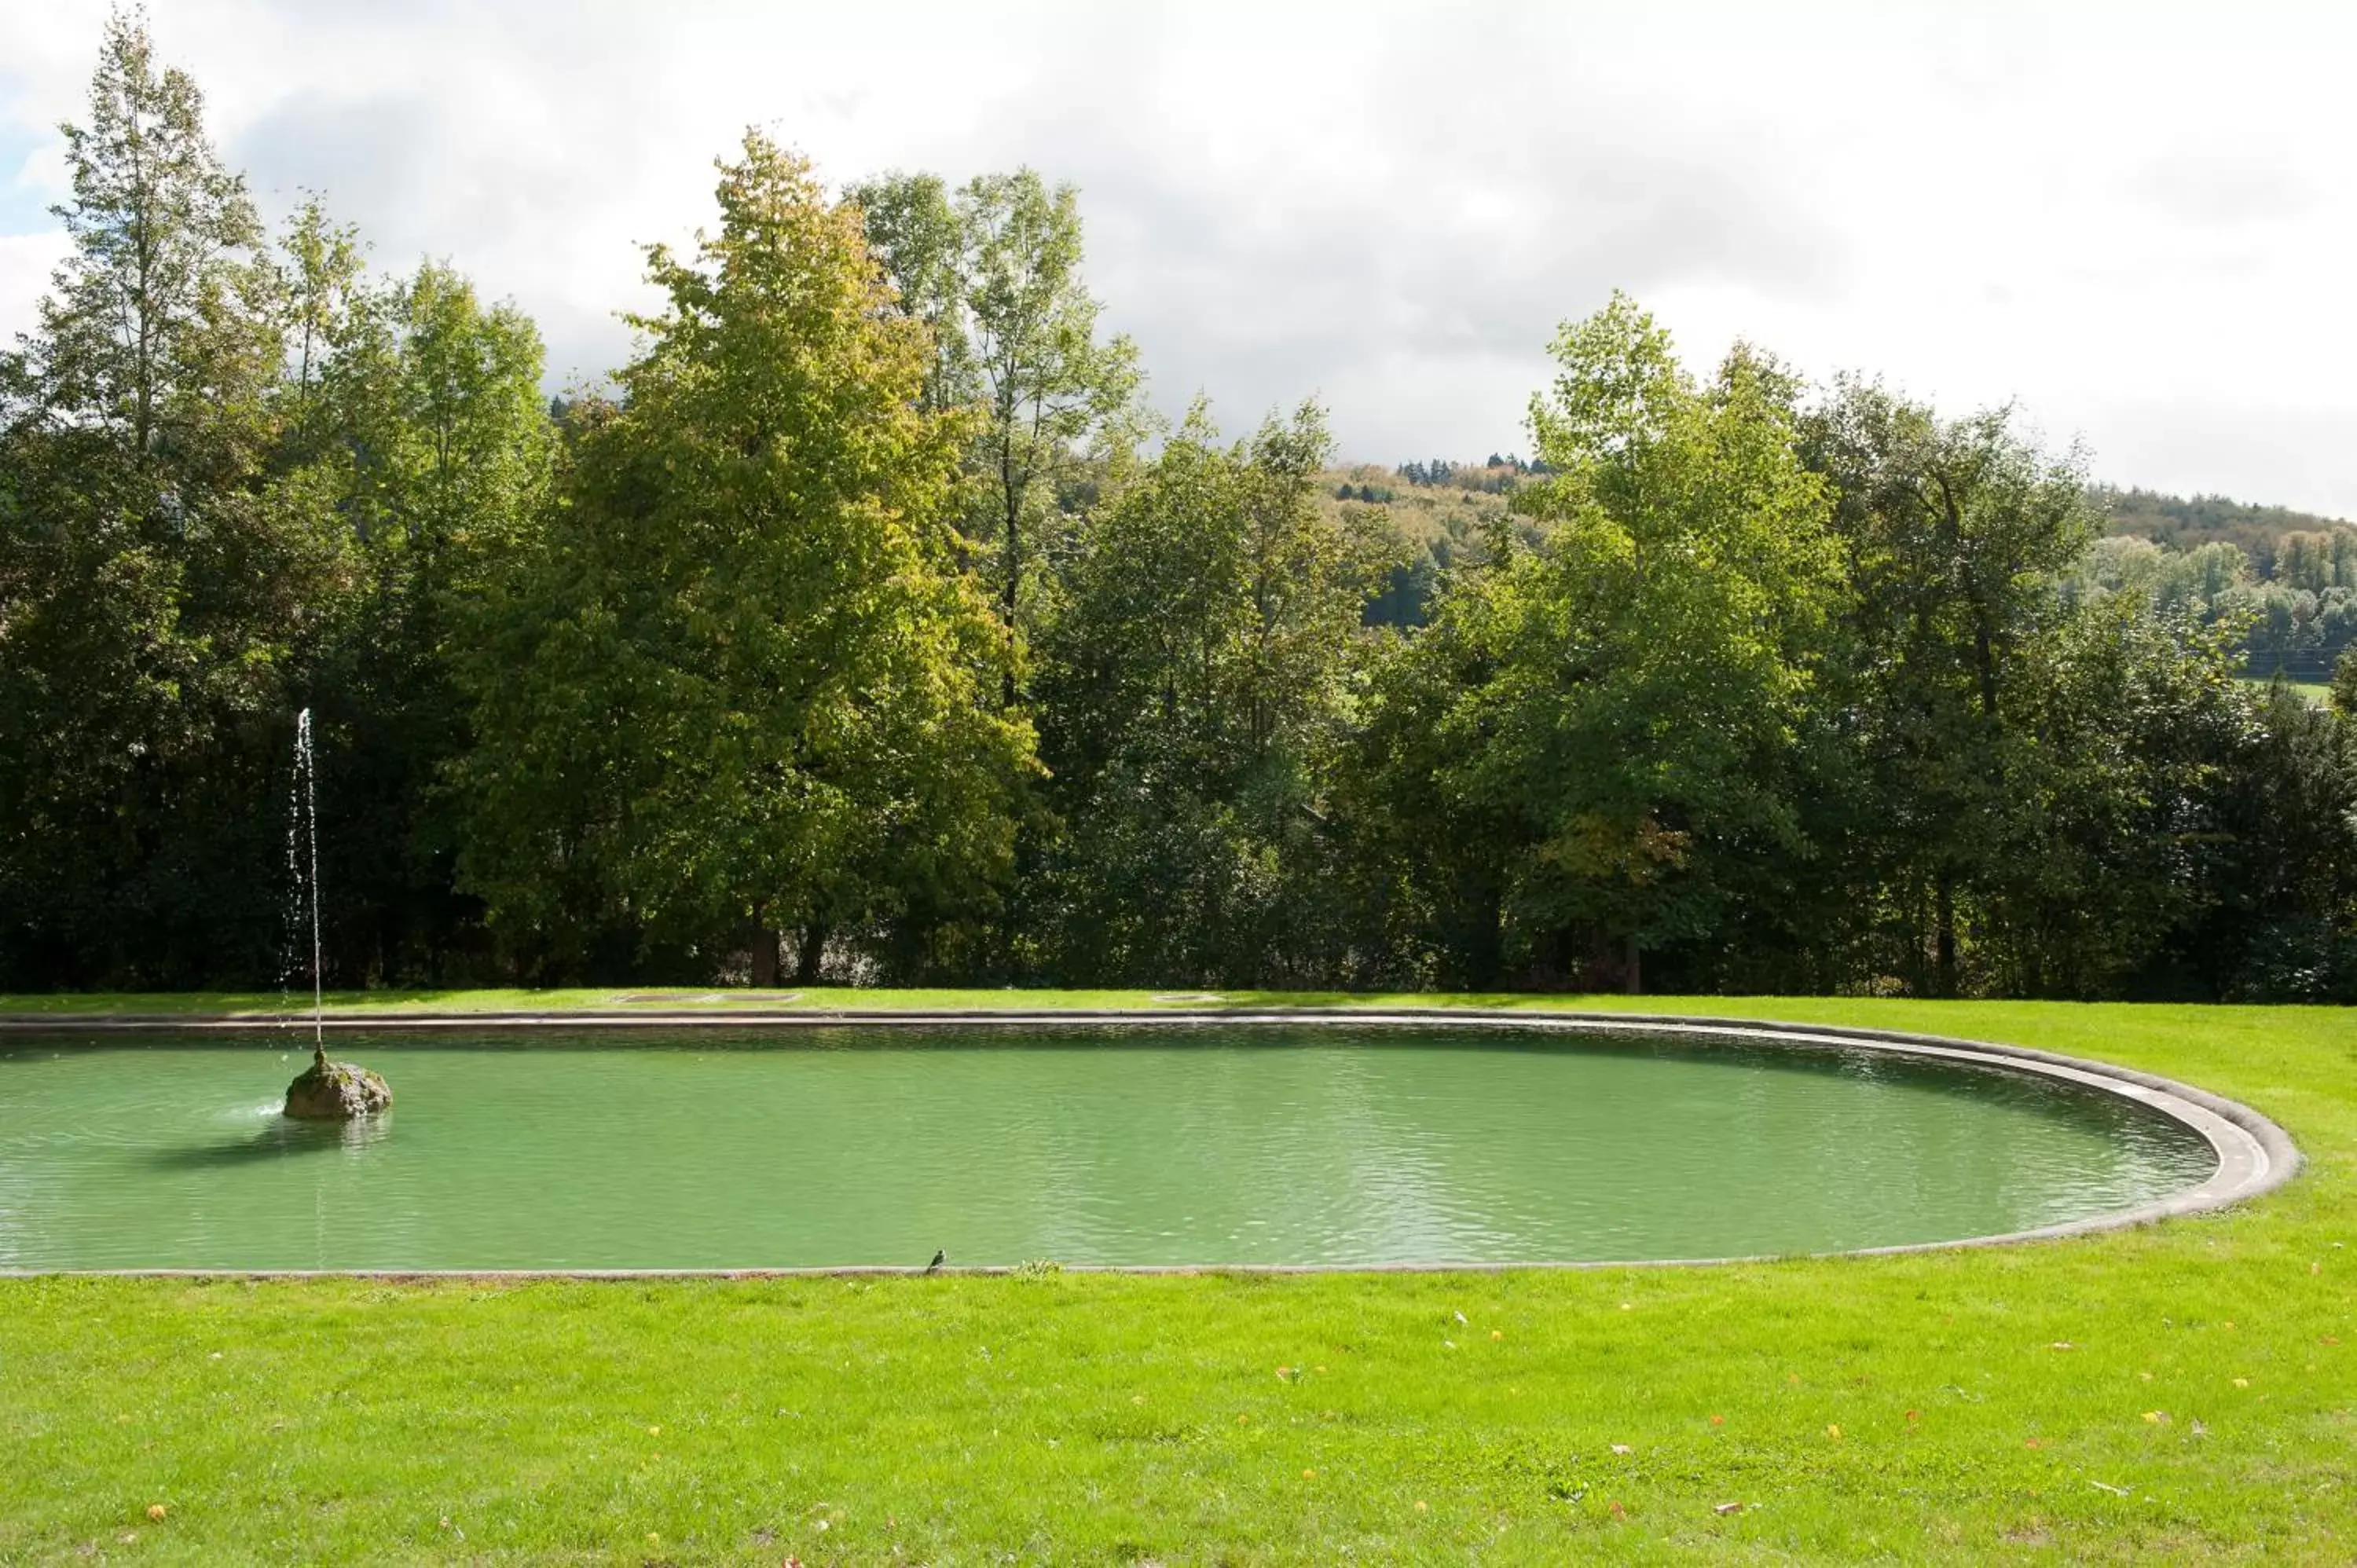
column 868, row 627
column 2296, row 601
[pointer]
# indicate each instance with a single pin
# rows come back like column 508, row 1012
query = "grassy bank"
column 2184, row 1391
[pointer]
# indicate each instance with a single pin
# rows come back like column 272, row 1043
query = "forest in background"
column 2288, row 578
column 869, row 627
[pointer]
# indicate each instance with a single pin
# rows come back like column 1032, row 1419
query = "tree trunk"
column 1012, row 593
column 813, row 949
column 1984, row 659
column 1485, row 940
column 1944, row 937
column 1570, row 972
column 1633, row 970
column 765, row 953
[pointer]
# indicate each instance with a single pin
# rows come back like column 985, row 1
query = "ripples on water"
column 710, row 1149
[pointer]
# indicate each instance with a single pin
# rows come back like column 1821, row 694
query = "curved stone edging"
column 2255, row 1155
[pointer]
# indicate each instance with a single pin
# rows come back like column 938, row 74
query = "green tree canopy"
column 1193, row 687
column 163, row 569
column 993, row 272
column 740, row 688
column 1604, row 719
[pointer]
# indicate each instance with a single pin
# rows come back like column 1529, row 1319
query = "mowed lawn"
column 2182, row 1393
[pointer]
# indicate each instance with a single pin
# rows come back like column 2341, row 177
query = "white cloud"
column 26, row 262
column 2135, row 220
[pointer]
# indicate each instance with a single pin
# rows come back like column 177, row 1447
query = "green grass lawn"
column 2315, row 693
column 2186, row 1391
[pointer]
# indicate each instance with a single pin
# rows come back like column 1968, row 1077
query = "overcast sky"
column 2138, row 221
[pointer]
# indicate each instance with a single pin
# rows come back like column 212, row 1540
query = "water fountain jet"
column 326, row 1091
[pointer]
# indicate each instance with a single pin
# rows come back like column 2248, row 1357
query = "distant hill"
column 1443, row 514
column 2187, row 523
column 1439, row 512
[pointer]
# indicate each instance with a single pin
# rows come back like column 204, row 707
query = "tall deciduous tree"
column 1956, row 533
column 916, row 234
column 439, row 450
column 1607, row 718
column 320, row 264
column 742, row 687
column 1192, row 691
column 995, row 272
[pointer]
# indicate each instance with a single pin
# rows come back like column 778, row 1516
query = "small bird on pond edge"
column 940, row 1257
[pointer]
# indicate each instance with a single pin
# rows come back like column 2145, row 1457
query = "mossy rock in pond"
column 335, row 1092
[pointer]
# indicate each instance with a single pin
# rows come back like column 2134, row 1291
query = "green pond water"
column 1210, row 1145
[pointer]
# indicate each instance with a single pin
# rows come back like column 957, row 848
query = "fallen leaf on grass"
column 2157, row 1417
column 1914, row 1415
column 2061, row 1345
column 1419, row 1506
column 1497, row 1334
column 2106, row 1485
column 1834, row 1432
column 1622, row 1448
column 1727, row 1508
column 2035, row 1443
column 1719, row 1420
column 2241, row 1382
column 155, row 1511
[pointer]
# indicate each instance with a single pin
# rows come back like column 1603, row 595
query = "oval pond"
column 1208, row 1144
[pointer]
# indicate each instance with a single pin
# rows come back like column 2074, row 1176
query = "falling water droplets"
column 303, row 878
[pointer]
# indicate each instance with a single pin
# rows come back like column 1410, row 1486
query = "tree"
column 1593, row 737
column 429, row 415
column 164, row 567
column 1956, row 535
column 321, row 272
column 2345, row 686
column 1191, row 690
column 915, row 233
column 2123, row 723
column 159, row 305
column 739, row 689
column 995, row 273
